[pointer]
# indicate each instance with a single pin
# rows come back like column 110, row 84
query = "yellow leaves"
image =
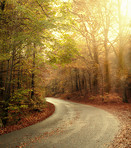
column 4, row 56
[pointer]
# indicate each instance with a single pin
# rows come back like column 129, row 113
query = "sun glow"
column 126, row 8
column 64, row 0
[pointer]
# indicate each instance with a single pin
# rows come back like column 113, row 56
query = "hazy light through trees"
column 62, row 46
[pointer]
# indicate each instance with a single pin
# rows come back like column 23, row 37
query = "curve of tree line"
column 55, row 47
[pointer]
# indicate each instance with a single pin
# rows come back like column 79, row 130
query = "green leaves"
column 62, row 51
column 4, row 57
column 68, row 50
column 27, row 42
column 20, row 94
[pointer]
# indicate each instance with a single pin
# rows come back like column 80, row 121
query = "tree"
column 27, row 28
column 121, row 63
column 95, row 27
column 19, row 29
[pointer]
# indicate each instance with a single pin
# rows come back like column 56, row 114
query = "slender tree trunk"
column 72, row 88
column 76, row 80
column 79, row 82
column 107, row 75
column 2, row 7
column 8, row 88
column 84, row 84
column 95, row 78
column 90, row 82
column 122, row 82
column 33, row 74
column 1, row 81
column 18, row 75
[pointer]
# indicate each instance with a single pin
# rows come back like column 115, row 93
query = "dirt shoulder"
column 32, row 118
column 121, row 110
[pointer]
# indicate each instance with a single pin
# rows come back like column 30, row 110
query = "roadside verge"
column 32, row 118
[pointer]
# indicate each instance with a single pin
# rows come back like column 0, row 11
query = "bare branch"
column 42, row 8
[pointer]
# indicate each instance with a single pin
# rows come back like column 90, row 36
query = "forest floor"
column 113, row 104
column 30, row 119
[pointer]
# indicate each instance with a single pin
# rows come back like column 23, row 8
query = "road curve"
column 72, row 125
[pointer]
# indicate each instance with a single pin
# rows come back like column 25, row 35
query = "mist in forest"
column 62, row 47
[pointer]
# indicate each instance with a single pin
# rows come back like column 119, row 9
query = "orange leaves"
column 32, row 118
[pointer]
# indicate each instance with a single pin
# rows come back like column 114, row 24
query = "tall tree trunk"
column 105, row 16
column 76, row 80
column 71, row 80
column 8, row 88
column 33, row 74
column 90, row 82
column 106, row 64
column 18, row 75
column 95, row 78
column 79, row 82
column 84, row 84
column 121, row 69
column 2, row 7
column 1, row 80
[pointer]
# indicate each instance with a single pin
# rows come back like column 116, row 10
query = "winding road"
column 72, row 125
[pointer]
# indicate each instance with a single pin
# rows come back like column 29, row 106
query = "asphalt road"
column 72, row 125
